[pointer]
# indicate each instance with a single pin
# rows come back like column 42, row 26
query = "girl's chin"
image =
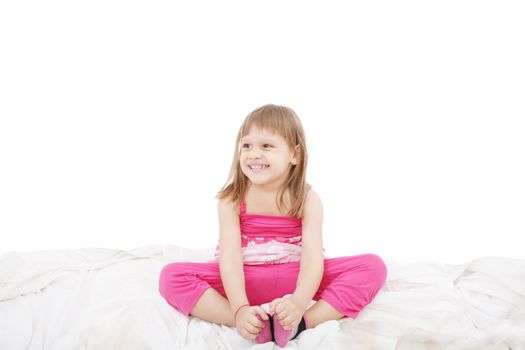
column 255, row 174
column 256, row 179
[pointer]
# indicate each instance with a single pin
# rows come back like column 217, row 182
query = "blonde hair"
column 283, row 121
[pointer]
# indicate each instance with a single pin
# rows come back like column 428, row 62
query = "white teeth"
column 258, row 166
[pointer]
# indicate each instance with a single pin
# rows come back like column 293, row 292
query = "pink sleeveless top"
column 268, row 239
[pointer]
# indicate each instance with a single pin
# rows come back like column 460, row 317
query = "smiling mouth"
column 258, row 167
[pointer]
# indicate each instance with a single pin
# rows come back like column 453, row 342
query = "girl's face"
column 266, row 158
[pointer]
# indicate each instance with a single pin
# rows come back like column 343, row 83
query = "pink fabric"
column 268, row 239
column 348, row 283
column 271, row 251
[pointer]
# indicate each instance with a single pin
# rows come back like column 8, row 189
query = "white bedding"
column 108, row 299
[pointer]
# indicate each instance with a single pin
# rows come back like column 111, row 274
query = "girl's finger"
column 255, row 330
column 282, row 315
column 286, row 322
column 251, row 330
column 273, row 304
column 261, row 314
column 255, row 327
column 246, row 335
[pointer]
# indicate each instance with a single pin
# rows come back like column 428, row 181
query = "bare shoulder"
column 228, row 213
column 227, row 207
column 313, row 204
column 313, row 198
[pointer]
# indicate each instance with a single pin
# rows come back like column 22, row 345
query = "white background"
column 118, row 120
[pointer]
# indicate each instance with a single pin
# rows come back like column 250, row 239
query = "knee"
column 169, row 276
column 176, row 269
column 377, row 268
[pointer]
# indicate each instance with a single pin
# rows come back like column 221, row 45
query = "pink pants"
column 348, row 284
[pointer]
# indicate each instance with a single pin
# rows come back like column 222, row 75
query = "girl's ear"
column 297, row 154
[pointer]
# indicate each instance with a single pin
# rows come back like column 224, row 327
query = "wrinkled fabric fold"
column 109, row 299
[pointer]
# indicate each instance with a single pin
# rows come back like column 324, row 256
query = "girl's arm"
column 230, row 260
column 312, row 260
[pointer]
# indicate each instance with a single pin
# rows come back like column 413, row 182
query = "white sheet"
column 108, row 299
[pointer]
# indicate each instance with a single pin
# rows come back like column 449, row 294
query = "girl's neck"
column 263, row 192
column 268, row 188
column 260, row 201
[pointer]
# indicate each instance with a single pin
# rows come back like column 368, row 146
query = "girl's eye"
column 267, row 144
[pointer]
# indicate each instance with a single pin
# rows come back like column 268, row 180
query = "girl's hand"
column 287, row 312
column 249, row 321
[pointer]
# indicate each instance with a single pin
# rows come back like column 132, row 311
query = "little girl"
column 269, row 261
